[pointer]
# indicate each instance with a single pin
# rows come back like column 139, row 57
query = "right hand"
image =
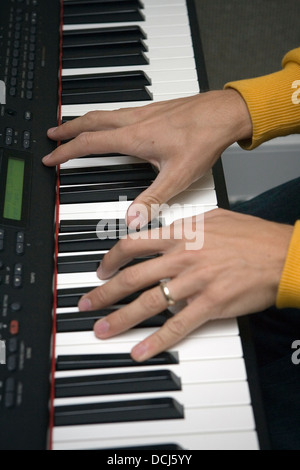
column 182, row 138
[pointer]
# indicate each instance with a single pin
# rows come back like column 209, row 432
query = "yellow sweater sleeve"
column 273, row 101
column 274, row 105
column 288, row 294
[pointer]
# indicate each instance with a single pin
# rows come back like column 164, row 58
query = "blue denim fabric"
column 275, row 330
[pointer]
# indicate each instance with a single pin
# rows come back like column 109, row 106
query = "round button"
column 14, row 327
column 15, row 307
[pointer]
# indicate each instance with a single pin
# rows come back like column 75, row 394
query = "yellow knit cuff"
column 288, row 295
column 270, row 104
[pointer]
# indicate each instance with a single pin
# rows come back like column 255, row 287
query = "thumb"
column 149, row 203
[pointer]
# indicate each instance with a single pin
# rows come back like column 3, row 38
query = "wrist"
column 288, row 294
column 240, row 117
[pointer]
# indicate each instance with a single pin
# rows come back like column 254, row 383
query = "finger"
column 130, row 280
column 90, row 122
column 173, row 331
column 148, row 204
column 145, row 243
column 88, row 143
column 149, row 303
column 104, row 120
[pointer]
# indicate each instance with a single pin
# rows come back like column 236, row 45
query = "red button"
column 14, row 327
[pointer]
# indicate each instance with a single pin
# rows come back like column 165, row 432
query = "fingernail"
column 101, row 328
column 139, row 352
column 84, row 304
column 51, row 130
column 47, row 157
column 99, row 272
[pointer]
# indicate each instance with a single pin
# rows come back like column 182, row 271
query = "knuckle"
column 85, row 140
column 123, row 319
column 130, row 277
column 91, row 117
column 152, row 300
column 187, row 257
column 100, row 296
column 176, row 327
column 124, row 246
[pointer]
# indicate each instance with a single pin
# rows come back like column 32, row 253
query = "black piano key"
column 79, row 2
column 92, row 225
column 102, row 192
column 89, row 241
column 107, row 361
column 105, row 87
column 104, row 238
column 111, row 81
column 89, row 225
column 102, row 12
column 77, row 96
column 78, row 264
column 112, row 384
column 117, row 412
column 86, row 263
column 107, row 174
column 84, row 321
column 106, row 44
column 105, row 56
column 70, row 297
column 102, row 36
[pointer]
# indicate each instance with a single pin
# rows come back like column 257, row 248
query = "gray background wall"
column 243, row 39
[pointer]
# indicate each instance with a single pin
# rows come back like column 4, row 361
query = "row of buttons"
column 11, row 351
column 21, row 52
column 20, row 242
column 17, row 276
column 11, row 137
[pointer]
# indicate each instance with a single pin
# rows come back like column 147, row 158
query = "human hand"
column 236, row 272
column 182, row 138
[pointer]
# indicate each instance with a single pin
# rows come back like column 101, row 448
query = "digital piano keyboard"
column 60, row 387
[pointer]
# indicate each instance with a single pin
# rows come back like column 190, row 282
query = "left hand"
column 236, row 272
column 182, row 138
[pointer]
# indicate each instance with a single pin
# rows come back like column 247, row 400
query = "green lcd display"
column 13, row 199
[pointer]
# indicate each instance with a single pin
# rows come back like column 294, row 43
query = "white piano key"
column 157, row 3
column 216, row 328
column 199, row 420
column 192, row 198
column 162, row 53
column 169, row 41
column 138, row 334
column 191, row 396
column 152, row 11
column 191, row 348
column 190, row 372
column 81, row 279
column 176, row 87
column 157, row 65
column 80, row 109
column 191, row 441
column 100, row 161
column 204, row 183
column 113, row 213
column 152, row 2
column 158, row 53
column 157, row 76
